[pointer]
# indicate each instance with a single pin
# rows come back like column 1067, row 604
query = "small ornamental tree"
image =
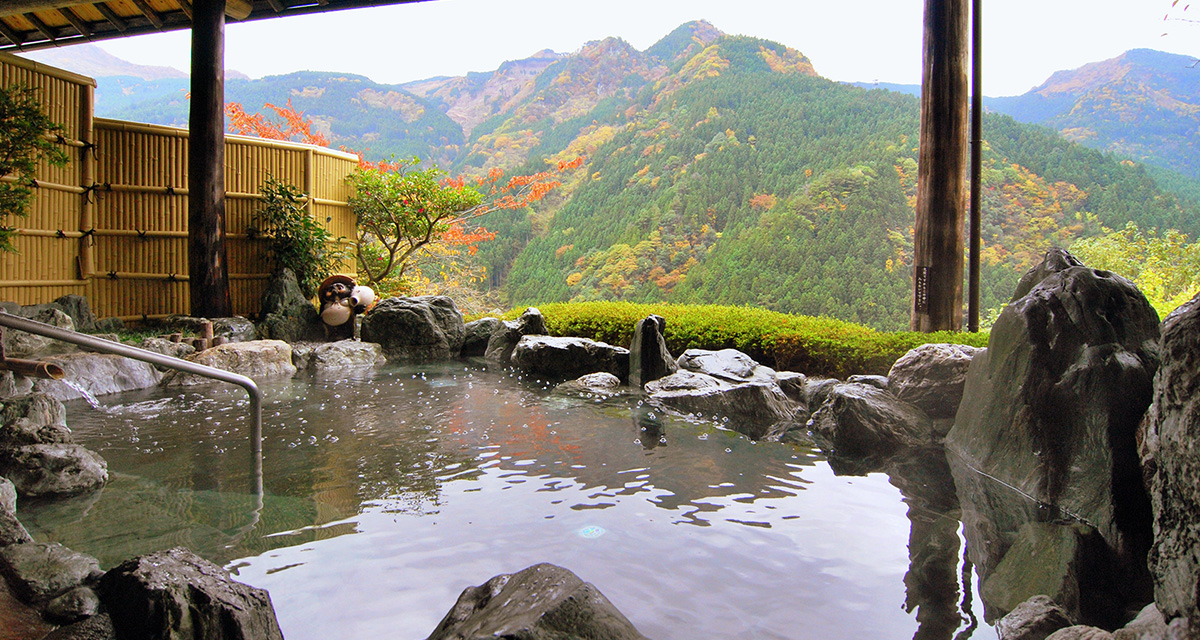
column 405, row 212
column 402, row 210
column 295, row 240
column 23, row 142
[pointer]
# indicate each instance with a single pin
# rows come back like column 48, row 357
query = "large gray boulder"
column 505, row 335
column 415, row 329
column 53, row 469
column 177, row 595
column 11, row 529
column 19, row 344
column 98, row 374
column 34, row 418
column 1033, row 619
column 167, row 348
column 1052, row 406
column 332, row 356
column 256, row 359
column 649, row 358
column 730, row 365
column 73, row 305
column 858, row 421
column 542, row 602
column 931, row 377
column 593, row 386
column 757, row 409
column 42, row 571
column 286, row 313
column 476, row 335
column 1172, row 464
column 563, row 358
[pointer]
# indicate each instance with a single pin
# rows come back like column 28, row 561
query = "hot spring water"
column 388, row 492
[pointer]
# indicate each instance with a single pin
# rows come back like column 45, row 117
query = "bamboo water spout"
column 32, row 368
column 117, row 348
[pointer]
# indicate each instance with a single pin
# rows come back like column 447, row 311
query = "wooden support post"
column 941, row 191
column 974, row 244
column 207, row 263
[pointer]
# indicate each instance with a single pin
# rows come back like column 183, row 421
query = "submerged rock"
column 97, row 627
column 43, row 571
column 860, row 421
column 1172, row 466
column 543, row 602
column 649, row 358
column 593, row 385
column 415, row 329
column 1051, row 408
column 178, row 595
column 561, row 358
column 1033, row 619
column 931, row 377
column 53, row 469
column 1056, row 560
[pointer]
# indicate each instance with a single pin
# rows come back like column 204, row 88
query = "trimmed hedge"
column 815, row 346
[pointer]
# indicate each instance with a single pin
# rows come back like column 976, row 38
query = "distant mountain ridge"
column 1143, row 104
column 718, row 168
column 90, row 60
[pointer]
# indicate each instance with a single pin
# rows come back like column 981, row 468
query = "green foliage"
column 1166, row 267
column 813, row 345
column 23, row 126
column 402, row 210
column 295, row 240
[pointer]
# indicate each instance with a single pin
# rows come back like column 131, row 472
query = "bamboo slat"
column 121, row 206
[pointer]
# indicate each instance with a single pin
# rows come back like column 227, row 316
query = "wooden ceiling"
column 38, row 24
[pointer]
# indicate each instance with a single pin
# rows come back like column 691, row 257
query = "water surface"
column 389, row 492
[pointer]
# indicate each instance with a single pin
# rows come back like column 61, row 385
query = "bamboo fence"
column 112, row 224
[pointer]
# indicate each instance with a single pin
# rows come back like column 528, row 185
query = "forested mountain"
column 1143, row 104
column 719, row 169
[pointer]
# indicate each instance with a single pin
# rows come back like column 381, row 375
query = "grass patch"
column 815, row 346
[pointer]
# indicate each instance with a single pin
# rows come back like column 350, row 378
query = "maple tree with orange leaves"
column 403, row 210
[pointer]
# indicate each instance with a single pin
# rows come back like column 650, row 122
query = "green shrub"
column 295, row 240
column 815, row 346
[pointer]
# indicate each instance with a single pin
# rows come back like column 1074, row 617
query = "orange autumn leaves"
column 437, row 214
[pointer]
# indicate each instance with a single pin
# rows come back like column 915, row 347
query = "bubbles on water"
column 591, row 532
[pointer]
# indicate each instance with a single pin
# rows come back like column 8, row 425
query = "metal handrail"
column 117, row 348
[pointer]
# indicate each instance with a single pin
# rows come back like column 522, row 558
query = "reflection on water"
column 388, row 493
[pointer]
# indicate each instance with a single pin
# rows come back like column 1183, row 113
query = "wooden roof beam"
column 239, row 9
column 113, row 19
column 149, row 12
column 12, row 35
column 186, row 8
column 43, row 28
column 276, row 6
column 76, row 22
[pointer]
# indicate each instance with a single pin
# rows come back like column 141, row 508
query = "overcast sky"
column 852, row 40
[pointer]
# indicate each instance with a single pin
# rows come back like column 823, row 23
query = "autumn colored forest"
column 723, row 169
